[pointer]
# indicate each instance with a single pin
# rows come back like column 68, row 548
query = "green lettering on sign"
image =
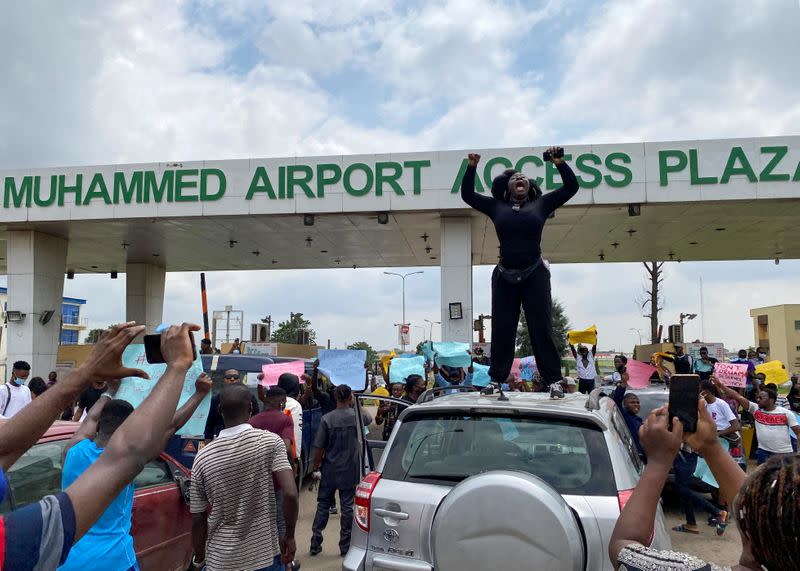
column 306, row 175
column 766, row 173
column 63, row 188
column 18, row 197
column 532, row 159
column 125, row 191
column 490, row 164
column 416, row 167
column 391, row 179
column 627, row 175
column 694, row 175
column 260, row 183
column 97, row 189
column 221, row 184
column 182, row 185
column 37, row 191
column 744, row 168
column 460, row 176
column 597, row 176
column 323, row 180
column 664, row 166
column 157, row 191
column 348, row 185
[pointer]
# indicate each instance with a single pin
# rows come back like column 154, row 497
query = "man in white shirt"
column 15, row 395
column 718, row 409
column 771, row 421
column 584, row 364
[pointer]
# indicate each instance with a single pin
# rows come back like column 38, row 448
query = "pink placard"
column 639, row 374
column 731, row 374
column 515, row 367
column 275, row 370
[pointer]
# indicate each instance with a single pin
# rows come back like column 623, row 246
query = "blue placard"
column 400, row 369
column 452, row 354
column 344, row 367
column 135, row 390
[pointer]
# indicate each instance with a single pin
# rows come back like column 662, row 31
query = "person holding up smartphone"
column 519, row 212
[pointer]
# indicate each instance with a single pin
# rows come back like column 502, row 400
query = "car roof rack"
column 431, row 394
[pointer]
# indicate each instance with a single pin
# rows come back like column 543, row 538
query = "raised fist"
column 473, row 159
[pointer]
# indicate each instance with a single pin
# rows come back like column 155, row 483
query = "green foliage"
column 93, row 336
column 372, row 355
column 289, row 331
column 560, row 327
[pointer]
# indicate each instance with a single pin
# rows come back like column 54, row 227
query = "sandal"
column 683, row 529
column 722, row 522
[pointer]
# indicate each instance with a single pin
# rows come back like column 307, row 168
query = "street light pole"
column 403, row 277
column 639, row 331
column 430, row 337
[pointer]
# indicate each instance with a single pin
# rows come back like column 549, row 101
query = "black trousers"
column 533, row 294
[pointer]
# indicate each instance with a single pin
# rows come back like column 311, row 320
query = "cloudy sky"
column 110, row 82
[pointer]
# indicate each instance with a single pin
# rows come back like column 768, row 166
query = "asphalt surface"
column 723, row 551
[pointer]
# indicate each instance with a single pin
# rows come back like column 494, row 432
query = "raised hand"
column 658, row 442
column 105, row 361
column 556, row 151
column 176, row 345
column 473, row 159
column 203, row 384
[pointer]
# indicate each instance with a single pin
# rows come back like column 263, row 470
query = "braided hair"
column 768, row 512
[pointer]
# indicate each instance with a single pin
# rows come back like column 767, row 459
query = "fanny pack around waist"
column 517, row 276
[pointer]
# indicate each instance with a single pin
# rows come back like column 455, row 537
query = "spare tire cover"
column 506, row 520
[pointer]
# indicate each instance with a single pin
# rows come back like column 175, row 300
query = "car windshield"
column 571, row 457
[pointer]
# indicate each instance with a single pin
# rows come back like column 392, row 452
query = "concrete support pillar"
column 456, row 264
column 36, row 266
column 144, row 285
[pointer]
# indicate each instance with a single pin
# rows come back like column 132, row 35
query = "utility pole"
column 479, row 327
column 403, row 277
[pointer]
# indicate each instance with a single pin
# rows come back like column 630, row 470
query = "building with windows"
column 72, row 323
column 777, row 329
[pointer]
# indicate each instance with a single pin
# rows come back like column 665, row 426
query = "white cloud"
column 142, row 81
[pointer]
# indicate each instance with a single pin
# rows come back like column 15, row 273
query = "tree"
column 293, row 329
column 93, row 336
column 372, row 355
column 560, row 327
column 652, row 297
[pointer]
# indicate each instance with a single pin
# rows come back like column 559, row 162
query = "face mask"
column 762, row 355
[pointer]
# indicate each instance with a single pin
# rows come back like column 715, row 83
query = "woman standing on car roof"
column 519, row 211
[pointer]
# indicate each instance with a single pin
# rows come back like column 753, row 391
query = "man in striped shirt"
column 233, row 477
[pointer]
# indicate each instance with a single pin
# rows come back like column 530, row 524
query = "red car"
column 162, row 524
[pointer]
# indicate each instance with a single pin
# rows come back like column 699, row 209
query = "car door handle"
column 380, row 512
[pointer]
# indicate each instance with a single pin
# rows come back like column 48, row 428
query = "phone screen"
column 152, row 349
column 684, row 392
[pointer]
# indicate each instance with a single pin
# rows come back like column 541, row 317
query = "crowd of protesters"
column 248, row 522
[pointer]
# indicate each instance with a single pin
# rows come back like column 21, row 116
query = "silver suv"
column 472, row 481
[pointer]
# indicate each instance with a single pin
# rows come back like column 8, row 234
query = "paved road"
column 723, row 550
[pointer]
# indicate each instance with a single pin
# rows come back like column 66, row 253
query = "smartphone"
column 558, row 155
column 152, row 348
column 684, row 392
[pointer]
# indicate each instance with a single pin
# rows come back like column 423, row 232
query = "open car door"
column 376, row 417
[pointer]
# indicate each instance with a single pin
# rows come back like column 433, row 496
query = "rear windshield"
column 446, row 449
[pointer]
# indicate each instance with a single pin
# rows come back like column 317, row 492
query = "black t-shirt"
column 89, row 397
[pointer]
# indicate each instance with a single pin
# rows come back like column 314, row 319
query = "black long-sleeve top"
column 519, row 232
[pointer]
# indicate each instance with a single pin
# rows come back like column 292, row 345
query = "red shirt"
column 274, row 421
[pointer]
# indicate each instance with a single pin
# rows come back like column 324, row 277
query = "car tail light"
column 624, row 496
column 364, row 499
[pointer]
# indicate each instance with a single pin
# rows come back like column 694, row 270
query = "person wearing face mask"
column 15, row 395
column 761, row 356
column 519, row 211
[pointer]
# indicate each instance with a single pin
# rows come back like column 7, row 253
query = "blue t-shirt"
column 108, row 545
